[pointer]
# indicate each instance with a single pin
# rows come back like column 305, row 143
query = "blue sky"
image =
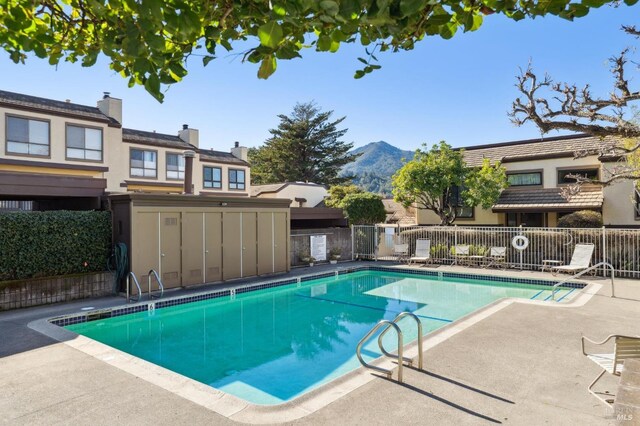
column 457, row 90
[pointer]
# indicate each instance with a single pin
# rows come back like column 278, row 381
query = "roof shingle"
column 547, row 199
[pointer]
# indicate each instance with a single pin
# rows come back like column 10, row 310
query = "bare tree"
column 564, row 106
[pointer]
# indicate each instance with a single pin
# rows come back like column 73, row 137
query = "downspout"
column 189, row 155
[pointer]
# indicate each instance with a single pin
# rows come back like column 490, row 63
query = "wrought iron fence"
column 620, row 247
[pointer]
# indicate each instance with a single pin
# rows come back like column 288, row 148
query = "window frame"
column 460, row 206
column 204, row 180
column 21, row 154
column 244, row 181
column 575, row 169
column 526, row 172
column 66, row 140
column 166, row 166
column 130, row 167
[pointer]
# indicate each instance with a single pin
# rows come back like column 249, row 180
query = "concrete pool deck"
column 520, row 365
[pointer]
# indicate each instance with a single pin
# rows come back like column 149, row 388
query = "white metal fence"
column 620, row 247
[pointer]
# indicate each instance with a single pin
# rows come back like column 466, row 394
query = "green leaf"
column 630, row 2
column 594, row 3
column 279, row 10
column 330, row 7
column 270, row 34
column 409, row 7
column 152, row 84
column 267, row 67
column 324, row 43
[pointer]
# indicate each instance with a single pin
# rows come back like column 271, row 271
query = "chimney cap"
column 185, row 126
column 236, row 144
column 106, row 95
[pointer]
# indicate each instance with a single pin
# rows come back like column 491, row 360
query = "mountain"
column 375, row 166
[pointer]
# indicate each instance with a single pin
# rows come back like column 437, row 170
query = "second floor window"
column 525, row 179
column 28, row 137
column 144, row 163
column 212, row 177
column 463, row 211
column 175, row 166
column 236, row 179
column 569, row 176
column 84, row 143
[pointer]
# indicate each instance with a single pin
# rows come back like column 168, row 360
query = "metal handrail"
column 400, row 357
column 160, row 286
column 135, row 280
column 581, row 273
column 396, row 320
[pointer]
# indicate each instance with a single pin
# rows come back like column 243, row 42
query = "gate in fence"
column 620, row 247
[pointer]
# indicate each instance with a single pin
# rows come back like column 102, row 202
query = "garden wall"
column 337, row 238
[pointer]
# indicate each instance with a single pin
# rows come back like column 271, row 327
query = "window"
column 563, row 175
column 28, row 137
column 463, row 211
column 175, row 166
column 144, row 163
column 84, row 143
column 236, row 179
column 525, row 179
column 212, row 177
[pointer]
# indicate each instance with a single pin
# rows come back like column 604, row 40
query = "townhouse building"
column 537, row 171
column 65, row 155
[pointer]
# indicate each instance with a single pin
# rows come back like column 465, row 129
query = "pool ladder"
column 401, row 359
column 132, row 277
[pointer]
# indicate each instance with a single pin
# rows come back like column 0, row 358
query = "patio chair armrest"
column 611, row 336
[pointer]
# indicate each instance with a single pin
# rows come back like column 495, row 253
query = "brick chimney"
column 111, row 107
column 190, row 136
column 241, row 152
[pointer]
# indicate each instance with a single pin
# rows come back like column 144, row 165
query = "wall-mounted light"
column 223, row 204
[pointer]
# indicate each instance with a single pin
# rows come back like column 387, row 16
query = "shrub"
column 581, row 219
column 363, row 208
column 40, row 244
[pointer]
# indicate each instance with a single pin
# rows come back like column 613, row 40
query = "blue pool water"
column 270, row 346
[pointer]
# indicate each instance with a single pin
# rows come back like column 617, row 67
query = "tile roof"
column 50, row 106
column 220, row 157
column 397, row 213
column 547, row 199
column 554, row 147
column 259, row 189
column 153, row 138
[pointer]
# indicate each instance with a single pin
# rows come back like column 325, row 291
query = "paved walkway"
column 521, row 365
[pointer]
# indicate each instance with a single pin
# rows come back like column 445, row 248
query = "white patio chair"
column 497, row 257
column 400, row 251
column 625, row 347
column 580, row 260
column 422, row 253
column 460, row 253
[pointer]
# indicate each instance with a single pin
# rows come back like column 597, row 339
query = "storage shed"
column 192, row 239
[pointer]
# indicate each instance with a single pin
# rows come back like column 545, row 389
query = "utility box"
column 191, row 240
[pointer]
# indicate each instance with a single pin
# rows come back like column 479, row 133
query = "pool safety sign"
column 318, row 245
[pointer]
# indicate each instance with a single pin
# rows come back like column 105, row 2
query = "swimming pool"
column 272, row 345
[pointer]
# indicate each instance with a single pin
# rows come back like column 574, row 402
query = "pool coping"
column 240, row 410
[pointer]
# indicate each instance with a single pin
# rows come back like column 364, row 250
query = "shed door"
column 265, row 243
column 280, row 247
column 231, row 246
column 213, row 247
column 192, row 248
column 170, row 241
column 146, row 247
column 249, row 245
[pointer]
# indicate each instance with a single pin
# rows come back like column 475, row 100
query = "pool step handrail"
column 388, row 372
column 135, row 281
column 581, row 273
column 158, row 280
column 395, row 321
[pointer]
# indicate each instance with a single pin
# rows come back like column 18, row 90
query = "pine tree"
column 304, row 148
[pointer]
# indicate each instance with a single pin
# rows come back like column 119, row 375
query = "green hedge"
column 42, row 244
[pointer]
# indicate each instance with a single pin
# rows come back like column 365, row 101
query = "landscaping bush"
column 581, row 219
column 41, row 244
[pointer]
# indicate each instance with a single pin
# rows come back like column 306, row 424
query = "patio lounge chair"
column 460, row 253
column 625, row 347
column 400, row 251
column 580, row 260
column 497, row 257
column 422, row 253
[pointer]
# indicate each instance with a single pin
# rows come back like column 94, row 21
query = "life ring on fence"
column 520, row 242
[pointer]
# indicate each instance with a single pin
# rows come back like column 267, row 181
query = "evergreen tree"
column 304, row 148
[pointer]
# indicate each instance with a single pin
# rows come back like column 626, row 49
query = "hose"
column 118, row 263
